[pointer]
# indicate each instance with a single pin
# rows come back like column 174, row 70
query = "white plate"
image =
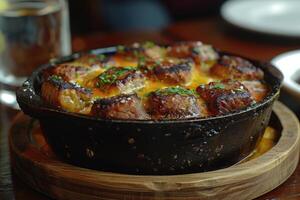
column 289, row 64
column 277, row 17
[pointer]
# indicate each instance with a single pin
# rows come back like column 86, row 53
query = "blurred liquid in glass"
column 31, row 33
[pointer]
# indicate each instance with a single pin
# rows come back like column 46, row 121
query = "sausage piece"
column 74, row 72
column 125, row 106
column 225, row 96
column 55, row 91
column 257, row 89
column 171, row 71
column 198, row 51
column 174, row 103
column 232, row 67
column 124, row 80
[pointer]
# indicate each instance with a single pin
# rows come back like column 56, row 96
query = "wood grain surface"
column 34, row 162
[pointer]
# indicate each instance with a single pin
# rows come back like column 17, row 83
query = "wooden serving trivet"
column 34, row 162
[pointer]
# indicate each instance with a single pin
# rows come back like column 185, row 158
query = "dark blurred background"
column 134, row 15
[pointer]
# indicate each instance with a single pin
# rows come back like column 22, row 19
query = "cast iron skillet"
column 147, row 146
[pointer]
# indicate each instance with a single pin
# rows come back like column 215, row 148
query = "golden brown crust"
column 172, row 71
column 59, row 93
column 174, row 103
column 126, row 106
column 257, row 89
column 225, row 96
column 231, row 67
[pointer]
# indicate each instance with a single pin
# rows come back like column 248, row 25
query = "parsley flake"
column 112, row 75
column 121, row 48
column 101, row 57
column 175, row 90
column 148, row 44
column 55, row 78
column 218, row 86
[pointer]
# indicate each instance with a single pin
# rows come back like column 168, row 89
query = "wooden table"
column 211, row 30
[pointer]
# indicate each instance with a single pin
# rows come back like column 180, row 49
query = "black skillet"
column 150, row 147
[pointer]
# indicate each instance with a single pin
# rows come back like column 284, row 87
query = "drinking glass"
column 31, row 33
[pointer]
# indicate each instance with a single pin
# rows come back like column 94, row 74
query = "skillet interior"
column 29, row 93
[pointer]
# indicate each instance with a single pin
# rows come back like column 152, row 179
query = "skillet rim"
column 29, row 98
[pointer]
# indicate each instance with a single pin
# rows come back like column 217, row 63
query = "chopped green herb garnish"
column 148, row 44
column 141, row 60
column 175, row 90
column 92, row 60
column 107, row 66
column 97, row 58
column 239, row 90
column 151, row 67
column 218, row 86
column 55, row 78
column 101, row 57
column 136, row 53
column 157, row 62
column 112, row 75
column 196, row 50
column 121, row 48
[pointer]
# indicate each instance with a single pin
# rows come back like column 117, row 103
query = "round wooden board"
column 36, row 165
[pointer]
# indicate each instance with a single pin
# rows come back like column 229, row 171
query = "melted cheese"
column 200, row 75
column 119, row 60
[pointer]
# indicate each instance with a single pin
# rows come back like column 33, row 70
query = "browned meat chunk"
column 81, row 70
column 257, row 89
column 224, row 97
column 195, row 50
column 55, row 91
column 121, row 79
column 153, row 51
column 174, row 103
column 74, row 72
column 231, row 67
column 141, row 51
column 172, row 71
column 126, row 106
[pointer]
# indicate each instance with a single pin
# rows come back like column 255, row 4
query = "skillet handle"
column 28, row 98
